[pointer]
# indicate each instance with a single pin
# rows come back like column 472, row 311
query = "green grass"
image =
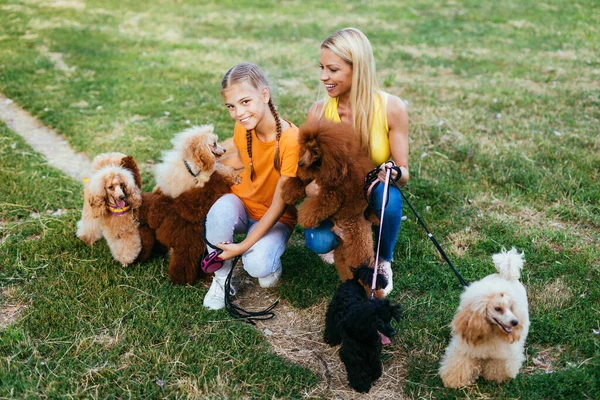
column 504, row 105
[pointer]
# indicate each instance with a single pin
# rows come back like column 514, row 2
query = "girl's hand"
column 383, row 170
column 230, row 250
column 312, row 189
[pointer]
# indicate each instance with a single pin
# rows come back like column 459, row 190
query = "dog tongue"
column 120, row 204
column 384, row 339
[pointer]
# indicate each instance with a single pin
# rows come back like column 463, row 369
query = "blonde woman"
column 380, row 121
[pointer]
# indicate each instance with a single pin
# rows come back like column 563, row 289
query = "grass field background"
column 504, row 103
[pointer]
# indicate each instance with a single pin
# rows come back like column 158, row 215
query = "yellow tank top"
column 379, row 141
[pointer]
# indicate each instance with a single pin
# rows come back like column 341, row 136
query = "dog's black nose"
column 514, row 322
column 300, row 163
column 224, row 150
column 122, row 197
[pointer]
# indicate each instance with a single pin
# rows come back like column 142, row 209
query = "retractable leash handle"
column 383, row 203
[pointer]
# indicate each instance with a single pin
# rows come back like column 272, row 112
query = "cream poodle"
column 490, row 327
column 191, row 162
column 112, row 197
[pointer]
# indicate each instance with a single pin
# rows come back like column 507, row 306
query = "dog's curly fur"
column 356, row 322
column 331, row 155
column 172, row 216
column 490, row 327
column 115, row 182
column 198, row 146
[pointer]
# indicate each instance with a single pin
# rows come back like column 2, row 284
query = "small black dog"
column 356, row 322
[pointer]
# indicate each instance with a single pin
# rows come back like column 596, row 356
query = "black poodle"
column 360, row 325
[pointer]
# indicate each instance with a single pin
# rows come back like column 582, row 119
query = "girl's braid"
column 276, row 161
column 249, row 149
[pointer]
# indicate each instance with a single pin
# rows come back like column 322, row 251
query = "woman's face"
column 336, row 74
column 246, row 104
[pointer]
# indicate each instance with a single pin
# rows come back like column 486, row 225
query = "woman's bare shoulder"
column 315, row 111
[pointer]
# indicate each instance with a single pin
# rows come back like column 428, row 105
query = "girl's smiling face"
column 246, row 104
column 336, row 74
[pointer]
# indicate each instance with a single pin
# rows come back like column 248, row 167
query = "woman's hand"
column 383, row 170
column 312, row 189
column 230, row 250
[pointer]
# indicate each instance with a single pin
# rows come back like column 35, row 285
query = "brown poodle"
column 112, row 197
column 331, row 156
column 189, row 181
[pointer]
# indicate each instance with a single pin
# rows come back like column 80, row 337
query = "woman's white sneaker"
column 327, row 257
column 385, row 269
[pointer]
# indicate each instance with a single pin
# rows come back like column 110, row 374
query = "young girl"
column 267, row 148
column 380, row 121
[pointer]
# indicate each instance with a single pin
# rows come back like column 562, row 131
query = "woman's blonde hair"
column 248, row 72
column 352, row 46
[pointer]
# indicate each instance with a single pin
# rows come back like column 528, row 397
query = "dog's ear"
column 203, row 156
column 129, row 163
column 471, row 324
column 97, row 192
column 135, row 195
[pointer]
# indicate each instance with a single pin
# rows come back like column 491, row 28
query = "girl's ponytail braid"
column 276, row 161
column 249, row 149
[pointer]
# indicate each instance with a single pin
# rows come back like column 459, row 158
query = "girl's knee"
column 260, row 264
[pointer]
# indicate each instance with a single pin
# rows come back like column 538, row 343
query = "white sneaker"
column 327, row 257
column 385, row 269
column 270, row 280
column 215, row 297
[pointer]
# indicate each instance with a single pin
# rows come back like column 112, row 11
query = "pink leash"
column 385, row 193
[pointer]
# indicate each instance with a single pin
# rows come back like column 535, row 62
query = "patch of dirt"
column 545, row 361
column 296, row 335
column 10, row 308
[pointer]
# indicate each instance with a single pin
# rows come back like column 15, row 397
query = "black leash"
column 234, row 310
column 371, row 183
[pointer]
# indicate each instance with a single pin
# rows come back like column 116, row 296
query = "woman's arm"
column 275, row 211
column 397, row 116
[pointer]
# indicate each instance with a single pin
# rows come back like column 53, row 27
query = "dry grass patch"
column 553, row 295
column 427, row 51
column 11, row 306
column 546, row 360
column 460, row 242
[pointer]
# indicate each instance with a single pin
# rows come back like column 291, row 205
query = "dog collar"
column 118, row 211
column 195, row 175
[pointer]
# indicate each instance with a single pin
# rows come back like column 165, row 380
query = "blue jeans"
column 321, row 240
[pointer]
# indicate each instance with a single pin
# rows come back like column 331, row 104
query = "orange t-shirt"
column 257, row 195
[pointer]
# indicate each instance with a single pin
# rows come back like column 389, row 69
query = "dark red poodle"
column 331, row 156
column 177, row 224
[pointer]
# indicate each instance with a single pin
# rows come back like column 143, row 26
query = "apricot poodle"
column 490, row 327
column 189, row 181
column 112, row 197
column 331, row 156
